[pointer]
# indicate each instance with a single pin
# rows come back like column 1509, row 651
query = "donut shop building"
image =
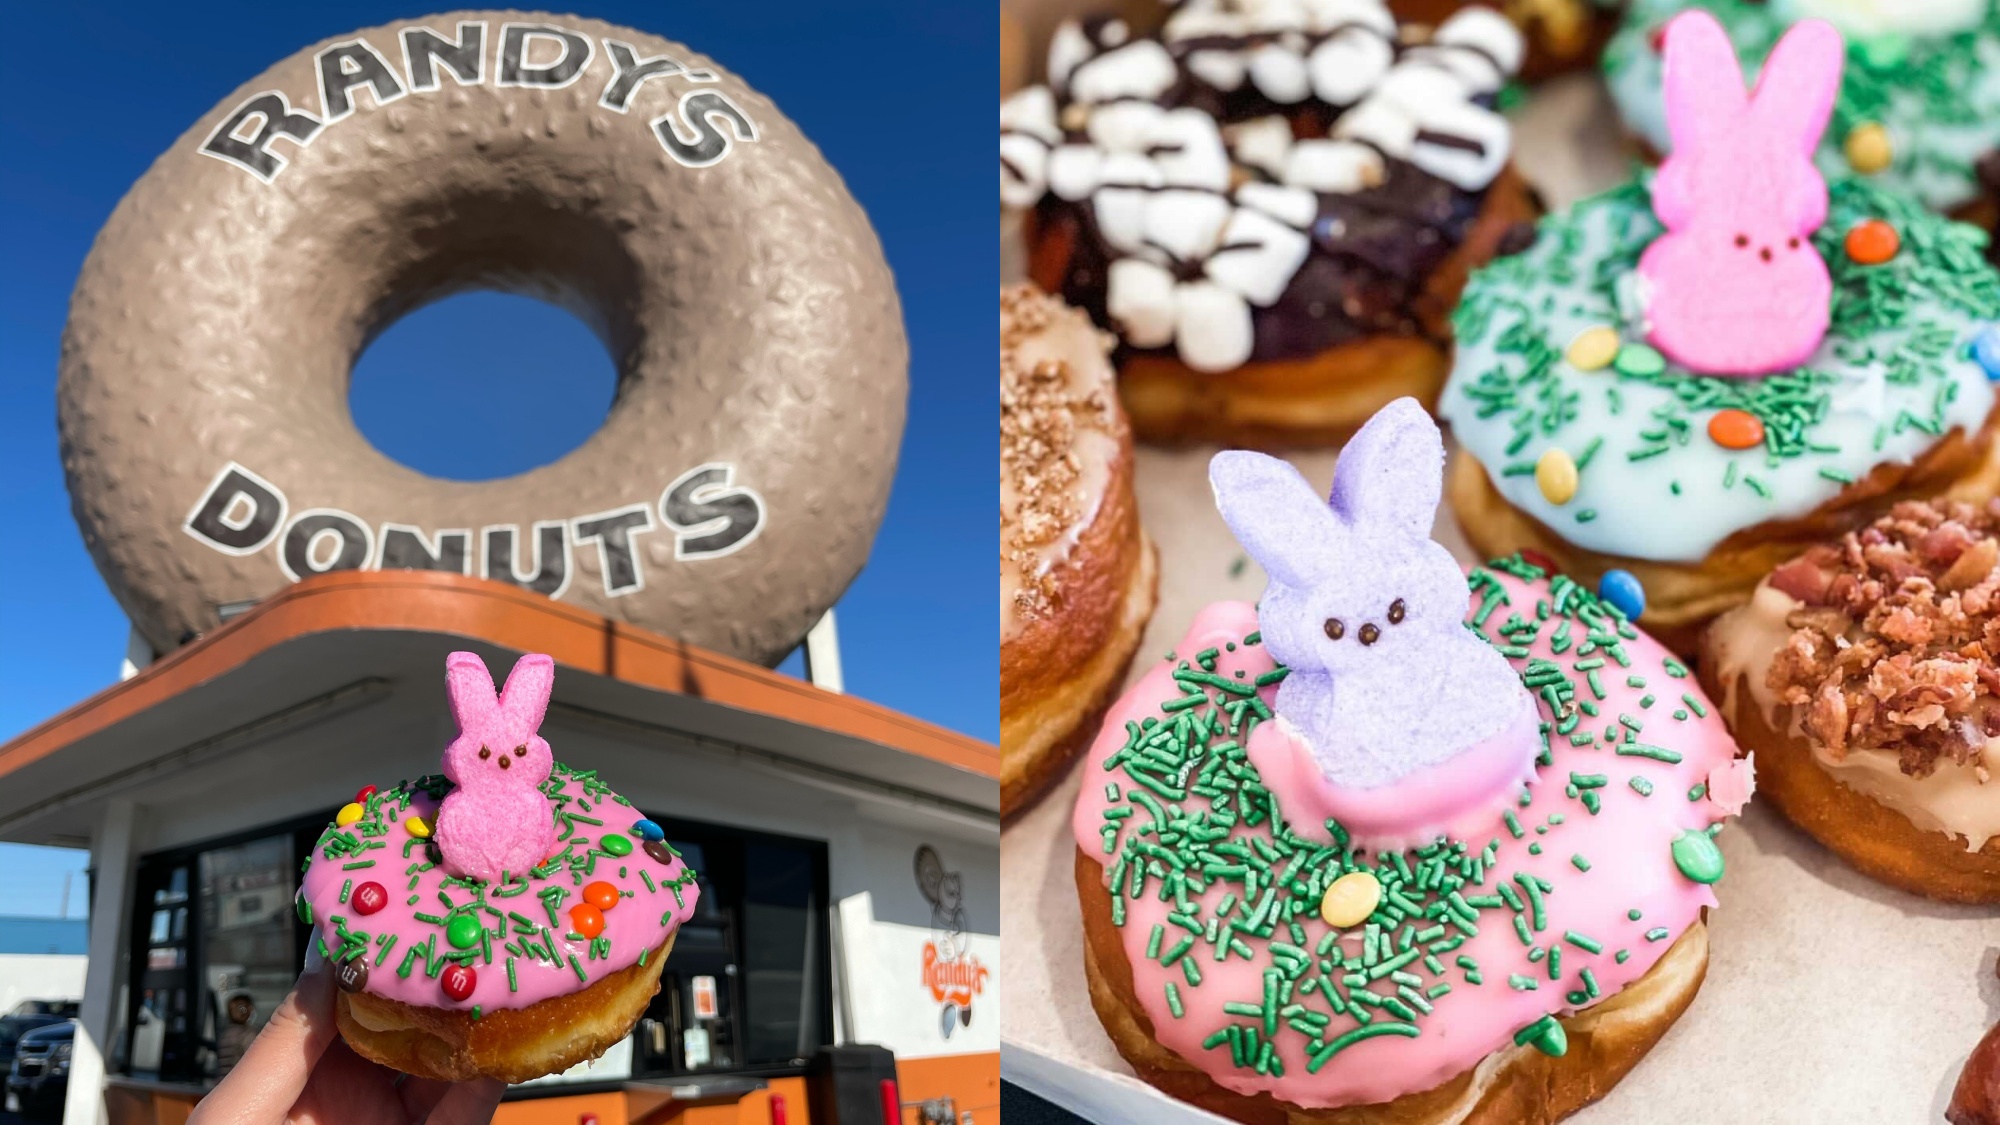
column 847, row 853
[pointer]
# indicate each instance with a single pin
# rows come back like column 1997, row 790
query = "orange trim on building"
column 510, row 617
column 971, row 1081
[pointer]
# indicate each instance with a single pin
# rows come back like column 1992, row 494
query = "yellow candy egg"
column 1350, row 900
column 349, row 813
column 1593, row 349
column 1869, row 149
column 415, row 826
column 1555, row 473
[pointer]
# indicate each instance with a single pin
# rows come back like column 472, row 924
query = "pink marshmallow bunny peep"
column 1735, row 286
column 1395, row 719
column 497, row 822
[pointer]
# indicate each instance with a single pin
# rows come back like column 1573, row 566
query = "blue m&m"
column 1986, row 350
column 1622, row 589
column 647, row 830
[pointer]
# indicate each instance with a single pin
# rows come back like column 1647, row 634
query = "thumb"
column 267, row 1080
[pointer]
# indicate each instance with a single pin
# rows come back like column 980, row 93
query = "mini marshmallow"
column 1068, row 49
column 1124, row 126
column 1468, row 168
column 1293, row 206
column 1325, row 15
column 1280, row 74
column 1121, row 199
column 1142, row 69
column 1335, row 167
column 1349, row 64
column 1186, row 225
column 1486, row 31
column 1258, row 256
column 1139, row 296
column 1261, row 143
column 1214, row 331
column 1074, row 171
column 1191, row 152
column 1024, row 170
column 1380, row 123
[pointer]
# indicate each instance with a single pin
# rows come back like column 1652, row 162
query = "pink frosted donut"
column 1486, row 943
column 445, row 975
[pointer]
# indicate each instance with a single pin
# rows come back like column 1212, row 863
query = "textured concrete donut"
column 734, row 490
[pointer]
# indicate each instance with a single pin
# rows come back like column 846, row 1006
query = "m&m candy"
column 462, row 931
column 601, row 894
column 615, row 844
column 586, row 919
column 647, row 830
column 1622, row 589
column 368, row 898
column 457, row 981
column 348, row 814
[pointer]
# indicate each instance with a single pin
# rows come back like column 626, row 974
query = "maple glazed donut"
column 1862, row 675
column 506, row 918
column 1273, row 205
column 1468, row 886
column 734, row 488
column 1077, row 574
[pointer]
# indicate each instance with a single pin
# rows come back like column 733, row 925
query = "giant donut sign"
column 734, row 490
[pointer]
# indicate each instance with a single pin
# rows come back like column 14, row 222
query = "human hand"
column 299, row 1071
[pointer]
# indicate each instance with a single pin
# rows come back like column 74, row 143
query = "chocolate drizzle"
column 1373, row 250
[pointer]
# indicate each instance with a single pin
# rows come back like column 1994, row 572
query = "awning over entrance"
column 358, row 653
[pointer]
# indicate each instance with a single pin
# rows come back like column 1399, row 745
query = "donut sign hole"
column 518, row 382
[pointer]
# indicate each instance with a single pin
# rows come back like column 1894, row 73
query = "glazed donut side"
column 737, row 286
column 1516, row 1085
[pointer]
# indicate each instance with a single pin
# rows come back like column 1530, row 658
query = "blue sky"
column 917, row 628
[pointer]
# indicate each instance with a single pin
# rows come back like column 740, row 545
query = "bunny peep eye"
column 505, row 761
column 1334, row 629
column 520, row 751
column 1370, row 634
column 484, row 753
column 1765, row 253
column 1742, row 240
column 1396, row 612
column 1792, row 244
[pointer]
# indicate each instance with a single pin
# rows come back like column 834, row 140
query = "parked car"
column 39, row 1078
column 26, row 1016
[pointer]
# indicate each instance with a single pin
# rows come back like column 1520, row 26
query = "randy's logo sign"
column 706, row 511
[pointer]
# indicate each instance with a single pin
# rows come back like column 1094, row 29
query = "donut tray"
column 1829, row 998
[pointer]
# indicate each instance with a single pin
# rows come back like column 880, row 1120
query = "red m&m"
column 457, row 981
column 368, row 898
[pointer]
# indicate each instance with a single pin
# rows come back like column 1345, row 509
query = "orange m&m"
column 1735, row 429
column 601, row 894
column 586, row 919
column 1872, row 242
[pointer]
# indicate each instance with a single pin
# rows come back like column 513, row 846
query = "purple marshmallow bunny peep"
column 1735, row 286
column 497, row 822
column 1395, row 718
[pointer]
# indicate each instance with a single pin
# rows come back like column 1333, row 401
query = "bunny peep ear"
column 1795, row 94
column 1275, row 514
column 1391, row 475
column 469, row 686
column 525, row 699
column 1703, row 80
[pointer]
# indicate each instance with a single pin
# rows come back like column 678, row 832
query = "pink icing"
column 497, row 820
column 1627, row 844
column 1735, row 286
column 1465, row 793
column 515, row 849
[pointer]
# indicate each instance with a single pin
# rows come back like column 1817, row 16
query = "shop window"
column 747, row 986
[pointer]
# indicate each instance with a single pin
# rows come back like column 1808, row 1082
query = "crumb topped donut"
column 447, row 969
column 1078, row 576
column 1273, row 205
column 1863, row 675
column 1266, row 962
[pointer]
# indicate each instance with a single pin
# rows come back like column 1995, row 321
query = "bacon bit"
column 1895, row 643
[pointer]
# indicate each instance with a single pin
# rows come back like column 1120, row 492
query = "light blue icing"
column 1939, row 97
column 1894, row 375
